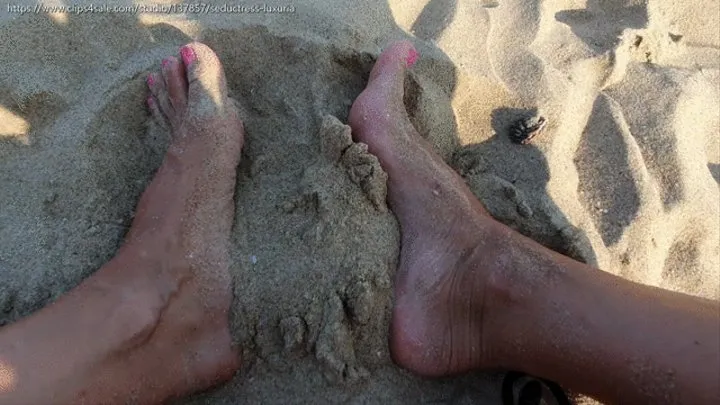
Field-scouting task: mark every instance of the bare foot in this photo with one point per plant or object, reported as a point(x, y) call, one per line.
point(177, 249)
point(436, 329)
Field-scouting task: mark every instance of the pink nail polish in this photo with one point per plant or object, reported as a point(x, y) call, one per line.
point(188, 55)
point(150, 101)
point(150, 80)
point(412, 57)
point(165, 62)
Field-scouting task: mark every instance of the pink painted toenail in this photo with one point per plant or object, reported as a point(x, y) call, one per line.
point(188, 55)
point(412, 57)
point(150, 80)
point(150, 101)
point(165, 62)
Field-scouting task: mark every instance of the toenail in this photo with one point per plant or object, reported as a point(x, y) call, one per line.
point(150, 101)
point(150, 80)
point(188, 55)
point(412, 57)
point(165, 62)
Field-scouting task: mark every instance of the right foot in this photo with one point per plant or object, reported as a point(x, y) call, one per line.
point(437, 324)
point(175, 263)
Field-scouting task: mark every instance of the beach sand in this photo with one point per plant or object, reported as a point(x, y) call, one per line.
point(624, 177)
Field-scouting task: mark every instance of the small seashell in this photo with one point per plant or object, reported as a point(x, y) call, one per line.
point(253, 259)
point(524, 130)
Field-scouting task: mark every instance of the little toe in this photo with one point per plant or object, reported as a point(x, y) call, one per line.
point(175, 82)
point(157, 115)
point(158, 90)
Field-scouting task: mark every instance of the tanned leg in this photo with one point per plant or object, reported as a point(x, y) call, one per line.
point(471, 293)
point(151, 324)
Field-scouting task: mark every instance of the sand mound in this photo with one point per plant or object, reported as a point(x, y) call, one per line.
point(625, 177)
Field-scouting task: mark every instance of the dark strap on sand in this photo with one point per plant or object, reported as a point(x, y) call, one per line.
point(531, 393)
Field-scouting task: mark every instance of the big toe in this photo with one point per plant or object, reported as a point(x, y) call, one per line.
point(385, 85)
point(207, 86)
point(390, 66)
point(380, 108)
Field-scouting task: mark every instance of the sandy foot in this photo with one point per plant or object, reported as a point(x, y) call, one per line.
point(439, 287)
point(177, 248)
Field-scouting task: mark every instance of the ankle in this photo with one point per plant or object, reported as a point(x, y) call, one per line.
point(518, 277)
point(130, 315)
point(133, 301)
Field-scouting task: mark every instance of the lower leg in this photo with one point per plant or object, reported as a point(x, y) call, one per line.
point(151, 324)
point(601, 335)
point(471, 293)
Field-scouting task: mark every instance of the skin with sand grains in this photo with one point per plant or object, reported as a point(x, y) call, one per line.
point(470, 293)
point(152, 323)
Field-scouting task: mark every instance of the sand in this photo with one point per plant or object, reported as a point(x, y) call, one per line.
point(625, 177)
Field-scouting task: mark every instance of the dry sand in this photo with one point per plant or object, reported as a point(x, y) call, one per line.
point(625, 176)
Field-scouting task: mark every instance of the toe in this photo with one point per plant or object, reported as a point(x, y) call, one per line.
point(384, 92)
point(156, 84)
point(175, 82)
point(388, 74)
point(154, 107)
point(207, 89)
point(380, 108)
